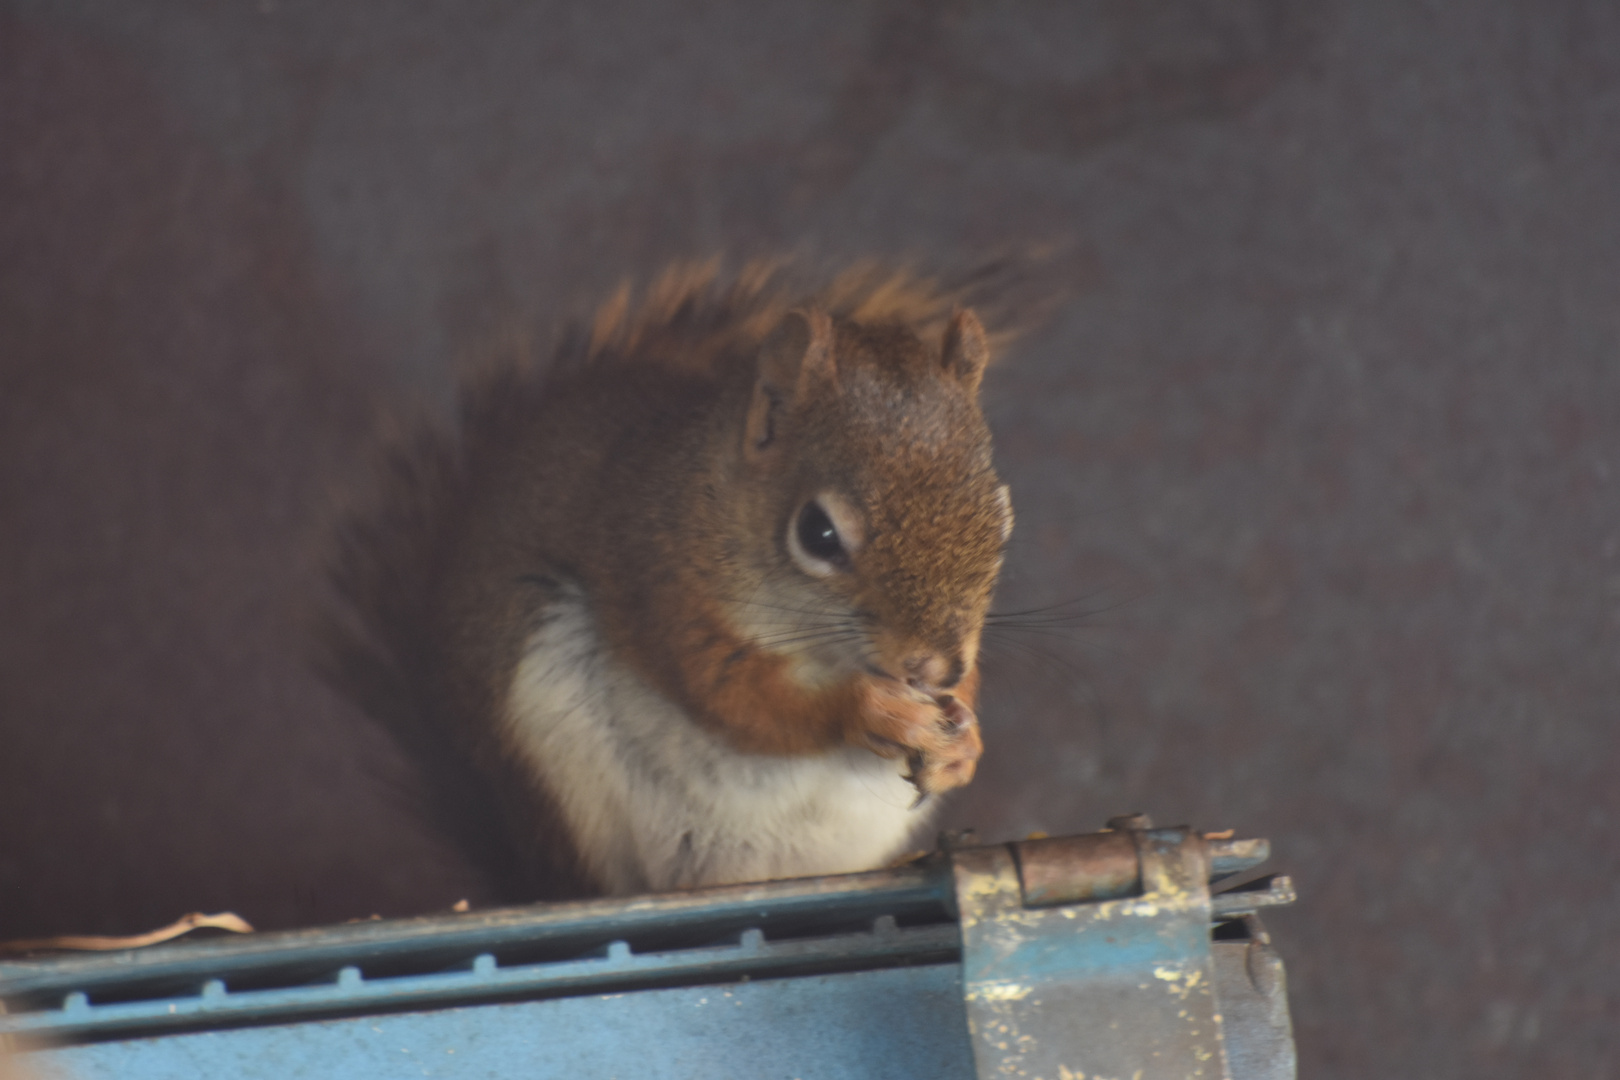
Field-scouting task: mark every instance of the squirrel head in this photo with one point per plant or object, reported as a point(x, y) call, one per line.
point(870, 515)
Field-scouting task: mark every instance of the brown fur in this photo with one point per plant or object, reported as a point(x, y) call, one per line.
point(658, 464)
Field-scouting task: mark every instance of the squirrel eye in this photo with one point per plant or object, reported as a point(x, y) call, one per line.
point(818, 536)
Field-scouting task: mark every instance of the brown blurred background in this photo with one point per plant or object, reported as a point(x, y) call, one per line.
point(1325, 443)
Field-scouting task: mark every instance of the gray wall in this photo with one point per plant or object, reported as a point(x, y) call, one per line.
point(1324, 438)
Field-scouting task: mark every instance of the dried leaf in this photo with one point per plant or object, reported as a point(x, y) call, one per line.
point(225, 920)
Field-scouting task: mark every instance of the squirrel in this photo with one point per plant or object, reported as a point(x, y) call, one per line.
point(698, 601)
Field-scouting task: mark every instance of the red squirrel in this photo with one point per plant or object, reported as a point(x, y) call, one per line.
point(698, 601)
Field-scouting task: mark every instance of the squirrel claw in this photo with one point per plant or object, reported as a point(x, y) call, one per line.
point(938, 736)
point(956, 716)
point(913, 776)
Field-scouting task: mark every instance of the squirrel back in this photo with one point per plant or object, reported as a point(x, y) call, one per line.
point(699, 599)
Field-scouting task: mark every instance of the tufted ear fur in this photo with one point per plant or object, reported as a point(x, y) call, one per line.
point(796, 357)
point(966, 351)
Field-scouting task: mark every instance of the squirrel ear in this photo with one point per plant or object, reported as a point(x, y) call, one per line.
point(966, 349)
point(797, 354)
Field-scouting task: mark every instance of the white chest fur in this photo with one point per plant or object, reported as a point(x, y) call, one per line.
point(654, 802)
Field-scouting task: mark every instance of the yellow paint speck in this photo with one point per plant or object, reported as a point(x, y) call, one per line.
point(1000, 992)
point(1181, 982)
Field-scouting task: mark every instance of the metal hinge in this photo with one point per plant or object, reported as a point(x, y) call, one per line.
point(1090, 957)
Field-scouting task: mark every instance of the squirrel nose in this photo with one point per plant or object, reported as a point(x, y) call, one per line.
point(932, 671)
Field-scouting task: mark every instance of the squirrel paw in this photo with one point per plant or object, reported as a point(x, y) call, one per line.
point(939, 737)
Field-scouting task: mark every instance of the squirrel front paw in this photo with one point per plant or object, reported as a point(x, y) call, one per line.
point(938, 737)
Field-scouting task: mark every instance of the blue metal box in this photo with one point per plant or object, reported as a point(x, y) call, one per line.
point(1098, 955)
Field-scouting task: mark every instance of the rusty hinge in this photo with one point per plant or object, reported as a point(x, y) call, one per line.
point(1091, 956)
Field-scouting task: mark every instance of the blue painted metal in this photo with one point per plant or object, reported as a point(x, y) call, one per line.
point(858, 975)
point(902, 1022)
point(483, 978)
point(784, 910)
